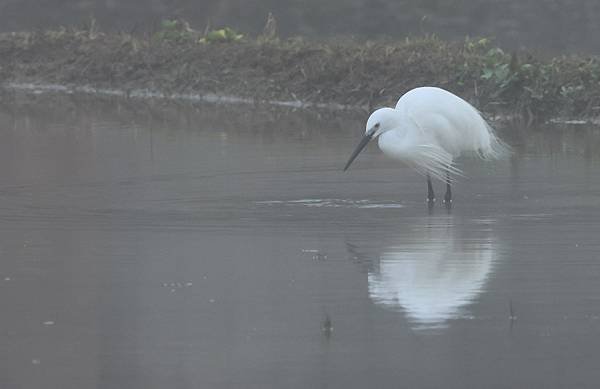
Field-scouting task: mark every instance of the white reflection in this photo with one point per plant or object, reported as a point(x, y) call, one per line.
point(433, 274)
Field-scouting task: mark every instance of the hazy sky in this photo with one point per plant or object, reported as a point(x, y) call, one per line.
point(544, 24)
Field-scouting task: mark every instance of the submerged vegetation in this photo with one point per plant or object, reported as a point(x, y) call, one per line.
point(177, 58)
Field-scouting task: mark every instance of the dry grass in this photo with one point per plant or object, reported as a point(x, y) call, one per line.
point(364, 74)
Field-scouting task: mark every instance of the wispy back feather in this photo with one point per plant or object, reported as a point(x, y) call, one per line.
point(432, 159)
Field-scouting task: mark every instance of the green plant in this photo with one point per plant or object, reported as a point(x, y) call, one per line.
point(475, 45)
point(497, 68)
point(175, 30)
point(223, 35)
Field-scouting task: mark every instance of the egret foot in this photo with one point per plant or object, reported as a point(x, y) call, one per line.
point(448, 195)
point(448, 207)
point(430, 194)
point(430, 206)
point(447, 203)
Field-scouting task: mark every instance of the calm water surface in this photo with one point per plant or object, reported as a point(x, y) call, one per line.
point(146, 246)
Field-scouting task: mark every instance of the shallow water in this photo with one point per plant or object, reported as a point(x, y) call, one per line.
point(153, 246)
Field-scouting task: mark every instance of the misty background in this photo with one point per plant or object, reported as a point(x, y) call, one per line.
point(547, 25)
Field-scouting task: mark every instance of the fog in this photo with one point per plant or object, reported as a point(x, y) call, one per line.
point(164, 223)
point(553, 26)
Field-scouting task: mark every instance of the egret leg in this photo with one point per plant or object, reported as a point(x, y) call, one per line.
point(448, 195)
point(430, 195)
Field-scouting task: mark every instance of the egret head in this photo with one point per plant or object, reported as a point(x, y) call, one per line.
point(379, 122)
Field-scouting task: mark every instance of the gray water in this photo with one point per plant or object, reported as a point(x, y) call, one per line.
point(162, 246)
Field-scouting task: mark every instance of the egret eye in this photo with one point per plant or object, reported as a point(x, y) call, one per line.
point(376, 125)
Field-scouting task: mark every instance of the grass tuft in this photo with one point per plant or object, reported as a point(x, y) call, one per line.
point(346, 71)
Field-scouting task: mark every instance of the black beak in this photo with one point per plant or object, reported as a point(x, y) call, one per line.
point(363, 142)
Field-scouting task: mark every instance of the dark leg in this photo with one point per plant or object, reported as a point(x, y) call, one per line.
point(448, 195)
point(430, 195)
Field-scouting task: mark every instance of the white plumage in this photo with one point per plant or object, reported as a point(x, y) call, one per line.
point(428, 129)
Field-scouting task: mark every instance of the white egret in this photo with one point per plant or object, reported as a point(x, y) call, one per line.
point(427, 130)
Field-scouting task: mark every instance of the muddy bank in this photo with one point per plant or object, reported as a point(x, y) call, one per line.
point(359, 74)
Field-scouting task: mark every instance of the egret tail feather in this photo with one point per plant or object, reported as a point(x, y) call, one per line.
point(497, 149)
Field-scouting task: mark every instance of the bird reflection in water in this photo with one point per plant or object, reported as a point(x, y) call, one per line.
point(432, 273)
